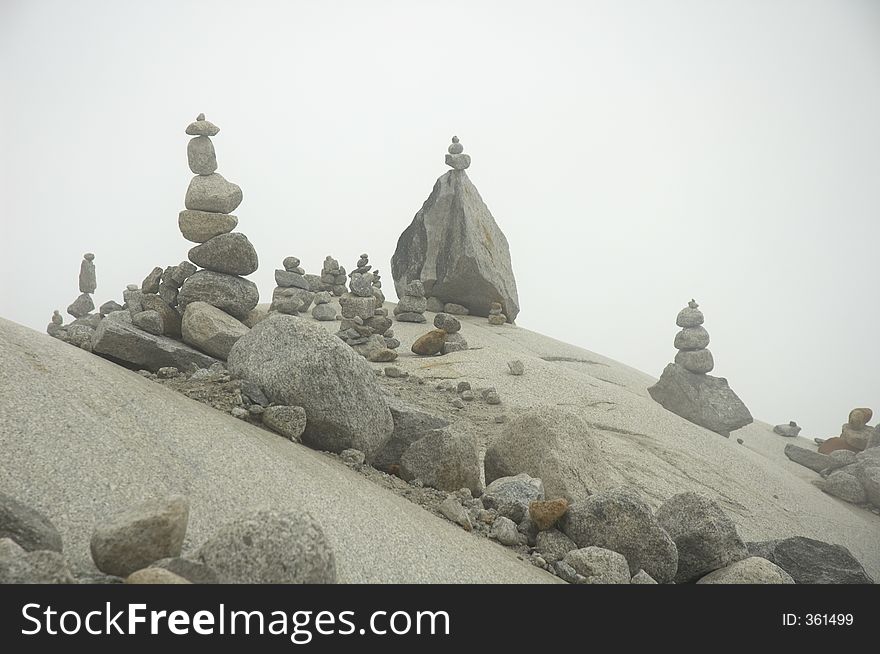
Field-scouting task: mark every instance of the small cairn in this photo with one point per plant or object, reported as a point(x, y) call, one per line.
point(365, 324)
point(413, 304)
point(83, 305)
point(377, 289)
point(692, 340)
point(224, 256)
point(80, 331)
point(292, 294)
point(495, 315)
point(456, 159)
point(855, 434)
point(789, 431)
point(454, 342)
point(332, 278)
point(323, 309)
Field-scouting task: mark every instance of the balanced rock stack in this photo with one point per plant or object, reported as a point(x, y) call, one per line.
point(687, 390)
point(83, 305)
point(377, 288)
point(454, 342)
point(332, 278)
point(224, 256)
point(293, 294)
point(855, 434)
point(413, 304)
point(365, 323)
point(80, 332)
point(324, 309)
point(495, 315)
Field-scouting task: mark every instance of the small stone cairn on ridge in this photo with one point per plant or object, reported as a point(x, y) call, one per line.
point(495, 315)
point(292, 294)
point(81, 330)
point(685, 387)
point(413, 304)
point(365, 325)
point(855, 434)
point(332, 278)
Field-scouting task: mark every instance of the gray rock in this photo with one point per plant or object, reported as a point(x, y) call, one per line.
point(201, 226)
point(554, 545)
point(790, 430)
point(109, 307)
point(253, 392)
point(133, 300)
point(410, 317)
point(457, 250)
point(753, 570)
point(212, 193)
point(843, 485)
point(170, 318)
point(231, 254)
point(505, 532)
point(702, 399)
point(150, 321)
point(289, 421)
point(138, 536)
point(91, 321)
point(435, 305)
point(291, 263)
point(202, 127)
point(290, 300)
point(361, 307)
point(705, 536)
point(458, 161)
point(621, 521)
point(551, 444)
point(566, 572)
point(324, 312)
point(30, 529)
point(201, 155)
point(456, 309)
point(271, 547)
point(528, 527)
point(696, 361)
point(18, 566)
point(168, 293)
point(447, 323)
point(869, 476)
point(510, 496)
point(353, 458)
point(193, 571)
point(452, 509)
point(808, 458)
point(690, 316)
point(516, 367)
point(297, 362)
point(410, 424)
point(151, 281)
point(323, 297)
point(692, 338)
point(643, 578)
point(87, 280)
point(234, 295)
point(411, 304)
point(362, 284)
point(81, 306)
point(288, 279)
point(445, 460)
point(599, 565)
point(117, 339)
point(454, 343)
point(841, 458)
point(211, 330)
point(811, 561)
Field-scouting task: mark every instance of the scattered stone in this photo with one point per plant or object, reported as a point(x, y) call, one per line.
point(140, 535)
point(27, 527)
point(202, 226)
point(462, 386)
point(546, 513)
point(211, 330)
point(192, 571)
point(289, 421)
point(621, 521)
point(167, 373)
point(753, 570)
point(270, 547)
point(109, 307)
point(240, 413)
point(808, 458)
point(468, 396)
point(511, 496)
point(810, 561)
point(599, 565)
point(230, 254)
point(454, 343)
point(554, 545)
point(516, 367)
point(643, 578)
point(452, 509)
point(443, 459)
point(566, 572)
point(706, 538)
point(429, 344)
point(296, 362)
point(789, 431)
point(505, 532)
point(155, 576)
point(458, 403)
point(18, 566)
point(394, 372)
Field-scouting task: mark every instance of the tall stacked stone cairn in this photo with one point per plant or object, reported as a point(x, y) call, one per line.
point(687, 390)
point(377, 288)
point(293, 294)
point(365, 325)
point(332, 278)
point(80, 332)
point(413, 303)
point(224, 256)
point(496, 317)
point(455, 248)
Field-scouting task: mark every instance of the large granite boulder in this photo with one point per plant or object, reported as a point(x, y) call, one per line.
point(811, 561)
point(116, 338)
point(702, 399)
point(236, 296)
point(298, 363)
point(458, 251)
point(552, 444)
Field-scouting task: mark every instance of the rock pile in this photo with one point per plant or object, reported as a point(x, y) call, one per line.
point(365, 323)
point(332, 278)
point(495, 315)
point(323, 309)
point(454, 342)
point(413, 304)
point(687, 390)
point(789, 431)
point(83, 305)
point(293, 292)
point(80, 332)
point(855, 434)
point(454, 246)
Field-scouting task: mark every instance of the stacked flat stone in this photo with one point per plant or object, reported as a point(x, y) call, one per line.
point(365, 323)
point(224, 256)
point(293, 294)
point(456, 159)
point(413, 304)
point(332, 278)
point(324, 309)
point(79, 332)
point(454, 342)
point(495, 315)
point(83, 305)
point(692, 340)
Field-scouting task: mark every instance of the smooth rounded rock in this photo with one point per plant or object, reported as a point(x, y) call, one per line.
point(155, 576)
point(692, 338)
point(212, 193)
point(234, 295)
point(696, 361)
point(201, 155)
point(201, 226)
point(230, 254)
point(429, 344)
point(27, 527)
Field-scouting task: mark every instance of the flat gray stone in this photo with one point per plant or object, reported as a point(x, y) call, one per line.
point(201, 155)
point(170, 317)
point(808, 458)
point(202, 127)
point(212, 193)
point(230, 254)
point(30, 529)
point(234, 295)
point(201, 226)
point(151, 281)
point(211, 330)
point(554, 545)
point(410, 424)
point(844, 485)
point(287, 279)
point(324, 312)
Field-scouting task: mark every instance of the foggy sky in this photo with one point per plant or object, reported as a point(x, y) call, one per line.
point(636, 154)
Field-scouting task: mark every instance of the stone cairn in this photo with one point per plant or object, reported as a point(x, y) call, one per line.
point(324, 309)
point(365, 325)
point(332, 278)
point(224, 256)
point(444, 339)
point(293, 294)
point(80, 331)
point(456, 159)
point(413, 304)
point(855, 434)
point(495, 315)
point(692, 340)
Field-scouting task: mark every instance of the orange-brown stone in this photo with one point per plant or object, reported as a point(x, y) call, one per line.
point(545, 513)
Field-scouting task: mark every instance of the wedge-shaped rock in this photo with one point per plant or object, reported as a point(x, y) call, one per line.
point(211, 330)
point(231, 254)
point(234, 295)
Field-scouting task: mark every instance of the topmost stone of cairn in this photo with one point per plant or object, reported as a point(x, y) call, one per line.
point(456, 159)
point(202, 127)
